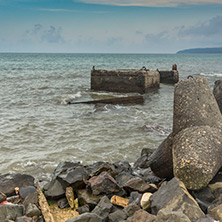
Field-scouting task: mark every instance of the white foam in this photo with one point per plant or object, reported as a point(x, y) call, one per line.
point(211, 74)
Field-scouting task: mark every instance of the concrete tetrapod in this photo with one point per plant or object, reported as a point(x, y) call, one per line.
point(197, 155)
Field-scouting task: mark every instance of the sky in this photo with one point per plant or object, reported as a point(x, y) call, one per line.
point(109, 26)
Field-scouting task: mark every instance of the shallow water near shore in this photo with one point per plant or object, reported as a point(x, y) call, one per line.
point(38, 129)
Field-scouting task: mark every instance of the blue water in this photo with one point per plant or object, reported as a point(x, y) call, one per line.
point(38, 129)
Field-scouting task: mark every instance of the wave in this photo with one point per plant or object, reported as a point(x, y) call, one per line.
point(211, 74)
point(70, 97)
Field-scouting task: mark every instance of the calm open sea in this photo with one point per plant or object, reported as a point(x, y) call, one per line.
point(38, 129)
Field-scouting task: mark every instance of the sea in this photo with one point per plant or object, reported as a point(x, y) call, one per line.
point(39, 129)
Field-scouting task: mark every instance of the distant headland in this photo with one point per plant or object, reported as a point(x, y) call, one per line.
point(202, 50)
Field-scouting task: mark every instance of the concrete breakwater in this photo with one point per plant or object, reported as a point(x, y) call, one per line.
point(131, 80)
point(123, 192)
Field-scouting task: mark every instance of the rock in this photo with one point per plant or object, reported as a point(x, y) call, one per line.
point(146, 151)
point(63, 203)
point(216, 212)
point(122, 166)
point(145, 200)
point(31, 198)
point(175, 197)
point(103, 208)
point(99, 167)
point(83, 209)
point(215, 186)
point(195, 105)
point(85, 197)
point(24, 219)
point(169, 215)
point(8, 182)
point(75, 178)
point(131, 209)
point(197, 155)
point(117, 216)
point(135, 198)
point(161, 161)
point(217, 91)
point(123, 177)
point(203, 197)
point(136, 184)
point(54, 190)
point(3, 197)
point(25, 191)
point(86, 217)
point(10, 212)
point(143, 216)
point(103, 184)
point(207, 218)
point(142, 162)
point(32, 210)
point(119, 201)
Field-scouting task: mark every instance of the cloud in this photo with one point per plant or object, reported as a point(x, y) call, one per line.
point(151, 3)
point(205, 29)
point(38, 33)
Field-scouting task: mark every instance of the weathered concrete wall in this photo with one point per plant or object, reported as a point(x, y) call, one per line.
point(124, 80)
point(170, 77)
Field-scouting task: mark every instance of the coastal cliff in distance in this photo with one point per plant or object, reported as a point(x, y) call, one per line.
point(202, 50)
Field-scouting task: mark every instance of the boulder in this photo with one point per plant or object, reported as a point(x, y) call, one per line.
point(24, 219)
point(197, 155)
point(131, 209)
point(143, 216)
point(122, 166)
point(63, 203)
point(103, 184)
point(32, 210)
point(161, 161)
point(145, 200)
point(123, 178)
point(135, 198)
point(169, 215)
point(136, 184)
point(25, 191)
point(117, 216)
point(142, 162)
point(207, 218)
point(86, 217)
point(83, 209)
point(99, 167)
point(103, 208)
point(3, 197)
point(10, 212)
point(195, 105)
point(217, 91)
point(175, 197)
point(86, 197)
point(8, 182)
point(31, 198)
point(216, 212)
point(54, 189)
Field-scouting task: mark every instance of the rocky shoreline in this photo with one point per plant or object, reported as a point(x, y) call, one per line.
point(180, 181)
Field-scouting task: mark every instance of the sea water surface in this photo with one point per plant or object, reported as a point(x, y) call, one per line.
point(38, 129)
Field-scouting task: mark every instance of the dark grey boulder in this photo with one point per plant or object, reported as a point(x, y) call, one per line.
point(161, 161)
point(142, 216)
point(76, 177)
point(103, 208)
point(131, 209)
point(122, 166)
point(25, 191)
point(54, 189)
point(99, 167)
point(136, 184)
point(63, 203)
point(195, 105)
point(217, 91)
point(32, 210)
point(8, 182)
point(142, 162)
point(135, 198)
point(103, 184)
point(174, 196)
point(31, 198)
point(83, 209)
point(86, 217)
point(117, 216)
point(10, 212)
point(123, 177)
point(197, 155)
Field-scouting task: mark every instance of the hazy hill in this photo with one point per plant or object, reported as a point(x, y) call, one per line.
point(202, 50)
